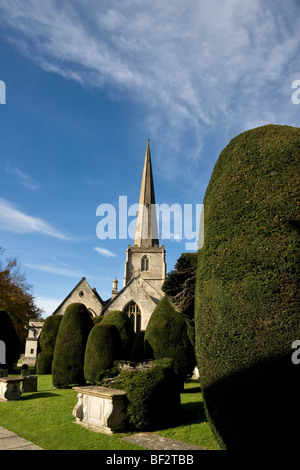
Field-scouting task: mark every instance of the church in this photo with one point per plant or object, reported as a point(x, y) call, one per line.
point(144, 273)
point(145, 267)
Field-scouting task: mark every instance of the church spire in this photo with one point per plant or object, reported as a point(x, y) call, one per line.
point(146, 234)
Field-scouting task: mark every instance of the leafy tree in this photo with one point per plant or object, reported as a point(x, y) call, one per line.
point(180, 287)
point(16, 298)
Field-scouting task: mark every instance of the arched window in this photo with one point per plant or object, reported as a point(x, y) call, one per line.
point(134, 313)
point(145, 263)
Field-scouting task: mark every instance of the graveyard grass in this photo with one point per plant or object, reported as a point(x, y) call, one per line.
point(45, 418)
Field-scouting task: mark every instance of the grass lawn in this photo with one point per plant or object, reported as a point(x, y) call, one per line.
point(45, 418)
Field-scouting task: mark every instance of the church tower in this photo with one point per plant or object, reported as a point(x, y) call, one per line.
point(146, 258)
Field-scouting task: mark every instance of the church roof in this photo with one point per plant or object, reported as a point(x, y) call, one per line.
point(83, 280)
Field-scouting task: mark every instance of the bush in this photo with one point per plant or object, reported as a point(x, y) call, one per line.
point(68, 360)
point(104, 346)
point(123, 323)
point(247, 302)
point(153, 395)
point(11, 340)
point(137, 351)
point(180, 287)
point(97, 319)
point(46, 344)
point(166, 336)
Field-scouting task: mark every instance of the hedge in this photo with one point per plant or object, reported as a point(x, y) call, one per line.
point(104, 346)
point(166, 336)
point(46, 344)
point(124, 325)
point(153, 395)
point(247, 292)
point(68, 360)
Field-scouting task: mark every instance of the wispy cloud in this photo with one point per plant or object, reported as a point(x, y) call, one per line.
point(66, 272)
point(13, 220)
point(197, 66)
point(22, 177)
point(104, 252)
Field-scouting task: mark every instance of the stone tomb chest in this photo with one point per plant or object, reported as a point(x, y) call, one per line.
point(100, 408)
point(10, 388)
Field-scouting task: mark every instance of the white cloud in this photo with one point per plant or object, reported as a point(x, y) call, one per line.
point(22, 177)
point(66, 272)
point(196, 66)
point(13, 220)
point(48, 305)
point(104, 252)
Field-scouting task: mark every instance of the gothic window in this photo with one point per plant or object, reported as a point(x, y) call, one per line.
point(134, 313)
point(145, 263)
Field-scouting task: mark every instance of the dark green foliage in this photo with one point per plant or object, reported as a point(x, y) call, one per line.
point(11, 340)
point(68, 360)
point(247, 303)
point(166, 336)
point(98, 319)
point(104, 346)
point(46, 344)
point(44, 363)
point(153, 395)
point(180, 287)
point(137, 351)
point(123, 323)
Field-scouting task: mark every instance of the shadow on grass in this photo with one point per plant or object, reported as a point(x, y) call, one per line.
point(192, 413)
point(29, 396)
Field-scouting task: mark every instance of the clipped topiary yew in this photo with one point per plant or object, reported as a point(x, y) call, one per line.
point(104, 346)
point(166, 336)
point(137, 351)
point(68, 360)
point(247, 292)
point(46, 344)
point(153, 395)
point(124, 325)
point(11, 340)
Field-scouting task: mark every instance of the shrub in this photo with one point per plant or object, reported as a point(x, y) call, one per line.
point(180, 287)
point(137, 351)
point(104, 346)
point(123, 323)
point(68, 360)
point(98, 319)
point(153, 395)
point(11, 340)
point(166, 336)
point(46, 344)
point(247, 305)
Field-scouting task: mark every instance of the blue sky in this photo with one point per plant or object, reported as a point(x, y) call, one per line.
point(87, 82)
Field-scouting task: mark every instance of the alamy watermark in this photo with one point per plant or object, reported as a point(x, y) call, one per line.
point(296, 354)
point(2, 352)
point(176, 222)
point(2, 92)
point(296, 95)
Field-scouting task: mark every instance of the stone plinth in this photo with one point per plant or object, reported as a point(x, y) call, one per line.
point(29, 383)
point(10, 388)
point(100, 408)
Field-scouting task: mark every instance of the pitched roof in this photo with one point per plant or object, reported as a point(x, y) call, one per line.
point(94, 291)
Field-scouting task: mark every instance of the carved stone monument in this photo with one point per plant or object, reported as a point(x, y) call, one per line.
point(101, 409)
point(10, 388)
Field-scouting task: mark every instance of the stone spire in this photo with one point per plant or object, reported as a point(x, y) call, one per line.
point(146, 234)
